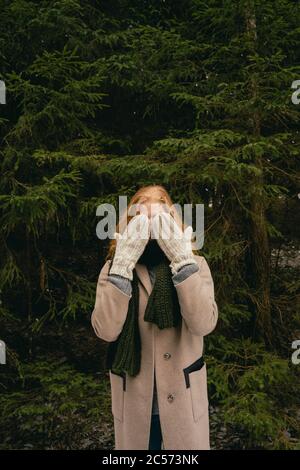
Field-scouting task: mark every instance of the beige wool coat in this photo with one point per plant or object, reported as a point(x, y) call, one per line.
point(173, 354)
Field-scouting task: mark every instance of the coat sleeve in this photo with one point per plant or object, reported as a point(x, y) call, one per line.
point(197, 300)
point(111, 307)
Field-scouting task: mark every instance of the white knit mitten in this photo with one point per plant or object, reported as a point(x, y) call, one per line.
point(130, 245)
point(173, 241)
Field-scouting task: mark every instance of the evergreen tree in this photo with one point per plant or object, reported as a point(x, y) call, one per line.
point(192, 94)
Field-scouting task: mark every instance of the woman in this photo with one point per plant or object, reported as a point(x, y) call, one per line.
point(154, 304)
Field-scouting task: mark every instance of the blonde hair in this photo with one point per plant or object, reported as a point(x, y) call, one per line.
point(134, 200)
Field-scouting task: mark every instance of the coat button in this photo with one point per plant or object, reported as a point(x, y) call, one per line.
point(167, 355)
point(170, 397)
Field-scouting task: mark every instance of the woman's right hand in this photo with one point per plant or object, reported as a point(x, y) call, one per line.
point(130, 245)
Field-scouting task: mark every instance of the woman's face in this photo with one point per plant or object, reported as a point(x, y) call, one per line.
point(151, 203)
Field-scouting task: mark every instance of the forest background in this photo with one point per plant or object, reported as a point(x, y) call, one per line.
point(102, 98)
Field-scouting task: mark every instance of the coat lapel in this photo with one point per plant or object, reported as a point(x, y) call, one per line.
point(143, 275)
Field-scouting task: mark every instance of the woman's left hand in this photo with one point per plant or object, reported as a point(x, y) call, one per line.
point(175, 243)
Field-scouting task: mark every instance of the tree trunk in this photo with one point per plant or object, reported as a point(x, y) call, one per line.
point(258, 265)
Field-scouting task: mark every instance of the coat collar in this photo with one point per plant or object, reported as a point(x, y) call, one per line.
point(143, 275)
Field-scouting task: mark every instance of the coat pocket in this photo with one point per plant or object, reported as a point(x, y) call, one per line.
point(198, 384)
point(118, 387)
point(196, 380)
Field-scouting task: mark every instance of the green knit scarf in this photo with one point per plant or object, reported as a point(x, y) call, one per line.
point(163, 309)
